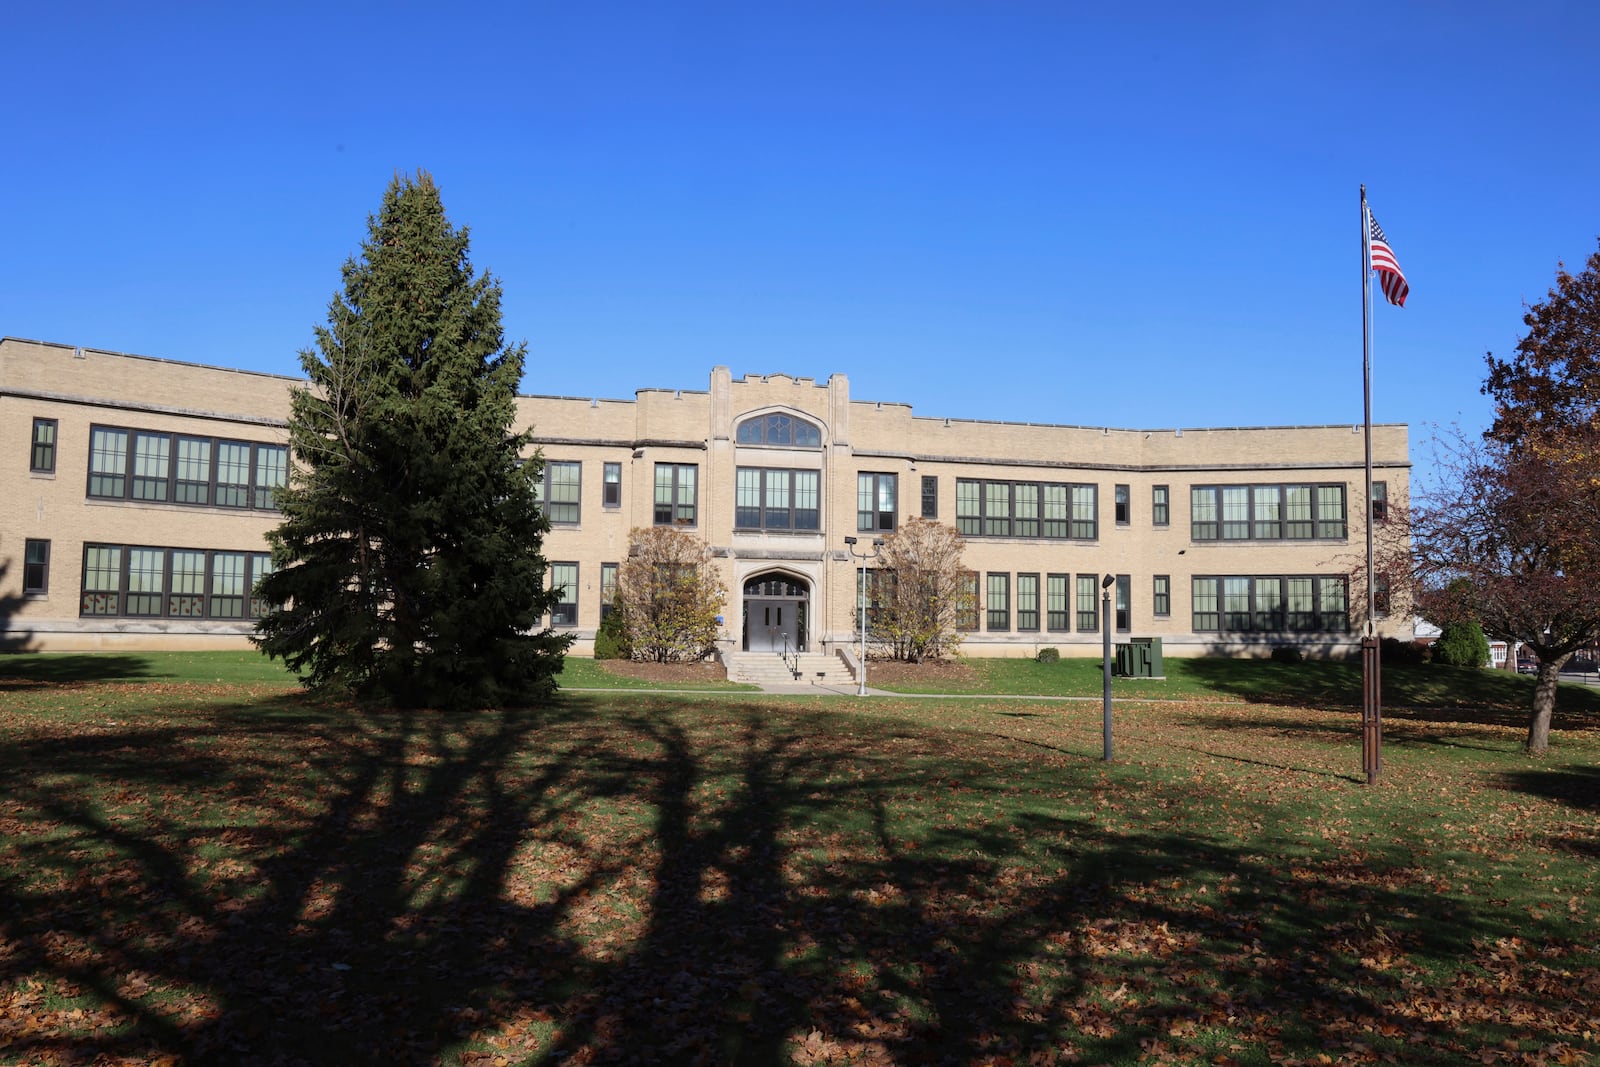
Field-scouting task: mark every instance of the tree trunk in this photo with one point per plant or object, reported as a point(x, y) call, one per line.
point(1544, 706)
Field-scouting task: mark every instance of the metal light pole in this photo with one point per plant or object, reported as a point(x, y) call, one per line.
point(877, 546)
point(1105, 656)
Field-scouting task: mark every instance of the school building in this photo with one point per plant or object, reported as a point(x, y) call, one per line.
point(136, 492)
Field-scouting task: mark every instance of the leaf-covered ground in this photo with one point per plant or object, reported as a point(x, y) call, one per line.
point(224, 873)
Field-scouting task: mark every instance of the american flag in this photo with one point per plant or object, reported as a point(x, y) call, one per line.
point(1390, 276)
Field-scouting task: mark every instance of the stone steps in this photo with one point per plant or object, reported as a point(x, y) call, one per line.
point(769, 668)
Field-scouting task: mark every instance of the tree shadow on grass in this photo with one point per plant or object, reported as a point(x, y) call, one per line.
point(33, 669)
point(722, 882)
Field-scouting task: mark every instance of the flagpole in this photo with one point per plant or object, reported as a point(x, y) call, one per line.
point(1371, 719)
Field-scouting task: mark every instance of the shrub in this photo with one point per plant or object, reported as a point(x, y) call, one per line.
point(611, 640)
point(1461, 644)
point(1288, 654)
point(1048, 655)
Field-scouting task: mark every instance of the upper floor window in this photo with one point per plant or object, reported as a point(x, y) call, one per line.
point(875, 501)
point(157, 467)
point(779, 429)
point(1123, 503)
point(1380, 501)
point(559, 489)
point(1266, 512)
point(1026, 509)
point(777, 499)
point(42, 459)
point(1160, 506)
point(612, 495)
point(930, 496)
point(676, 498)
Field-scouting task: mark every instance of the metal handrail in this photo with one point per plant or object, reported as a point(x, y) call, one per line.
point(792, 663)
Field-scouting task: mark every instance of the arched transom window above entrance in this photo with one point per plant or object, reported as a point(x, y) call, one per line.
point(774, 585)
point(776, 428)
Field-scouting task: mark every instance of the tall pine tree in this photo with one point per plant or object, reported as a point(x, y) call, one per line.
point(410, 564)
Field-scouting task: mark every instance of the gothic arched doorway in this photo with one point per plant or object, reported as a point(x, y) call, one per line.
point(775, 613)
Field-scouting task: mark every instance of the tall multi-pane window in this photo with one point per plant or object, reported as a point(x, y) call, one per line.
point(1267, 512)
point(1123, 506)
point(1160, 506)
point(1057, 602)
point(108, 462)
point(1088, 603)
point(560, 491)
point(766, 499)
point(608, 587)
point(1085, 511)
point(1025, 509)
point(997, 509)
point(1025, 505)
point(998, 602)
point(1027, 601)
point(186, 596)
point(675, 496)
point(1269, 613)
point(35, 567)
point(1301, 603)
point(564, 580)
point(147, 582)
point(261, 565)
point(1203, 598)
point(1161, 595)
point(233, 474)
point(1380, 595)
point(967, 612)
point(227, 586)
point(272, 473)
point(1124, 603)
point(930, 496)
point(875, 501)
point(611, 494)
point(1333, 604)
point(194, 470)
point(42, 457)
point(1380, 501)
point(102, 580)
point(151, 461)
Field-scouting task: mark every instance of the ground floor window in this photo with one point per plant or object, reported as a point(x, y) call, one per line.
point(1088, 605)
point(564, 580)
point(1271, 603)
point(142, 581)
point(35, 568)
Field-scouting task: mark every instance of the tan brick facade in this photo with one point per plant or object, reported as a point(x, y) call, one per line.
point(1020, 475)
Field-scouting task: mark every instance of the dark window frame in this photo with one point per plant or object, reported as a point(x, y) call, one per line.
point(1161, 595)
point(565, 612)
point(1122, 603)
point(1122, 498)
point(42, 451)
point(759, 430)
point(35, 572)
point(200, 599)
point(1088, 619)
point(787, 518)
point(252, 494)
point(1058, 620)
point(967, 611)
point(989, 495)
point(1160, 505)
point(1317, 522)
point(930, 497)
point(573, 507)
point(1380, 501)
point(673, 511)
point(611, 485)
point(1027, 618)
point(876, 519)
point(990, 612)
point(1209, 599)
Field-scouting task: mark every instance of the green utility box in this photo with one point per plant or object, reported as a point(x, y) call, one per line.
point(1140, 657)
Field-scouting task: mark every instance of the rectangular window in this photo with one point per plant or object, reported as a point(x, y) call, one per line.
point(969, 507)
point(1085, 512)
point(766, 499)
point(35, 567)
point(560, 491)
point(1267, 512)
point(1124, 516)
point(186, 596)
point(1160, 506)
point(608, 587)
point(227, 585)
point(1088, 603)
point(1203, 595)
point(147, 581)
point(1025, 509)
point(997, 509)
point(1380, 595)
point(272, 474)
point(675, 498)
point(1161, 596)
point(151, 465)
point(1124, 603)
point(967, 613)
point(194, 471)
point(261, 565)
point(108, 462)
point(1057, 603)
point(1270, 604)
point(1027, 601)
point(611, 495)
point(998, 603)
point(564, 580)
point(875, 501)
point(102, 580)
point(1380, 501)
point(233, 474)
point(930, 496)
point(42, 459)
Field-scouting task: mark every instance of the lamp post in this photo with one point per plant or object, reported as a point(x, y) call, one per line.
point(877, 546)
point(1105, 655)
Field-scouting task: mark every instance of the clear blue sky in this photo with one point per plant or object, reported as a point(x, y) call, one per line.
point(1032, 211)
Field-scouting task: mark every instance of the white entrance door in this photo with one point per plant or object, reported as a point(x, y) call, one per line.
point(768, 623)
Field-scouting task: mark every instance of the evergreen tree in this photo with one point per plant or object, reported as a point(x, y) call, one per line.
point(409, 556)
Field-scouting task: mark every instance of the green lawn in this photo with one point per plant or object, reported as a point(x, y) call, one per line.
point(210, 872)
